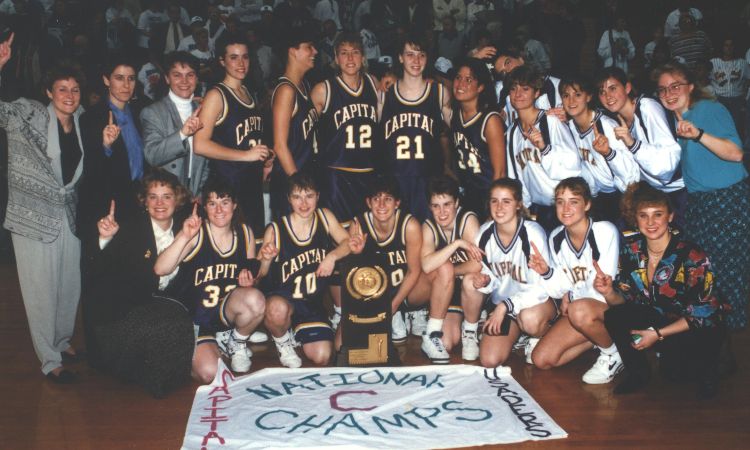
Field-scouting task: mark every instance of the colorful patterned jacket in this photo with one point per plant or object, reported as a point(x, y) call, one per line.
point(682, 283)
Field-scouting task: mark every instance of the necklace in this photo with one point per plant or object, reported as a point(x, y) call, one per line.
point(655, 256)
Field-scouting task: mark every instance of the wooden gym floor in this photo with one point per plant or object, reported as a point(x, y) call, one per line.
point(102, 413)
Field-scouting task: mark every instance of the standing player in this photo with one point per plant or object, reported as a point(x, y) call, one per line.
point(478, 134)
point(507, 59)
point(510, 287)
point(606, 163)
point(215, 257)
point(580, 249)
point(448, 243)
point(541, 151)
point(397, 234)
point(645, 130)
point(298, 254)
point(294, 116)
point(232, 134)
point(413, 116)
point(348, 130)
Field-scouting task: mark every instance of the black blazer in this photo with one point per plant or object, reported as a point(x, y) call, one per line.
point(106, 178)
point(119, 279)
point(122, 274)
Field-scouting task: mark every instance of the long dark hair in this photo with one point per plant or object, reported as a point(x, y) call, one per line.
point(486, 100)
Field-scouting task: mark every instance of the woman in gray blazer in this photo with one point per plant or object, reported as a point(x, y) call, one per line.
point(45, 161)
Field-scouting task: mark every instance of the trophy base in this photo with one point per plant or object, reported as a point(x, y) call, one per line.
point(343, 358)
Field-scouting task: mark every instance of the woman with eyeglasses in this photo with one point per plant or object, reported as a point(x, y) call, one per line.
point(718, 208)
point(644, 129)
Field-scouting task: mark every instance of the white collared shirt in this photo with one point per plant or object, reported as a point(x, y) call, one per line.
point(164, 239)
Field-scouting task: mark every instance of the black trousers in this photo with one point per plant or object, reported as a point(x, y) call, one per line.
point(693, 353)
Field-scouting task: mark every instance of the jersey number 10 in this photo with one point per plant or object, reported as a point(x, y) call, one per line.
point(311, 285)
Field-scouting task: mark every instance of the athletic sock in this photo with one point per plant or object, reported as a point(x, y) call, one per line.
point(239, 337)
point(337, 309)
point(434, 325)
point(468, 326)
point(609, 351)
point(282, 339)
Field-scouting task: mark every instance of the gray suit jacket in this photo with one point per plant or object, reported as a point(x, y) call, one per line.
point(163, 147)
point(37, 198)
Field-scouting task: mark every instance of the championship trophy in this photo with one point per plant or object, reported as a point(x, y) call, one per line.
point(366, 312)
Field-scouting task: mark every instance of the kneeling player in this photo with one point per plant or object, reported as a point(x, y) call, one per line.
point(514, 289)
point(578, 247)
point(448, 246)
point(215, 261)
point(298, 255)
point(397, 234)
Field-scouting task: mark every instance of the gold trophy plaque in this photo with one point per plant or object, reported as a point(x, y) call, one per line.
point(366, 312)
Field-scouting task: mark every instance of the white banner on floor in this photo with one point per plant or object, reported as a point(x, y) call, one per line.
point(385, 407)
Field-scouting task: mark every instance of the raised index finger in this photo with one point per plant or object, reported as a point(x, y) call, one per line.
point(197, 111)
point(111, 121)
point(678, 115)
point(112, 209)
point(10, 39)
point(195, 209)
point(622, 120)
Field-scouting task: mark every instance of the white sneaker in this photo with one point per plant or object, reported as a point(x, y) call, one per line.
point(287, 355)
point(398, 328)
point(335, 320)
point(239, 354)
point(222, 339)
point(469, 345)
point(418, 321)
point(433, 348)
point(529, 349)
point(604, 369)
point(258, 337)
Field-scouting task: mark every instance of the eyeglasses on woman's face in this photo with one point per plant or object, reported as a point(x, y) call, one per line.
point(673, 88)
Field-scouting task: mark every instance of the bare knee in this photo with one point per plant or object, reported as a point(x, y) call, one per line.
point(277, 311)
point(251, 302)
point(531, 323)
point(204, 372)
point(543, 359)
point(320, 356)
point(468, 291)
point(493, 360)
point(496, 354)
point(444, 275)
point(581, 315)
point(256, 303)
